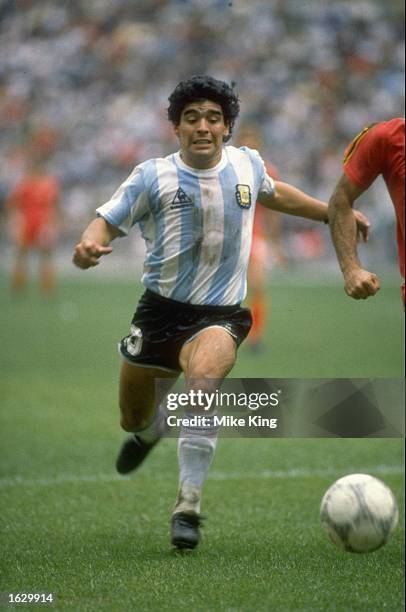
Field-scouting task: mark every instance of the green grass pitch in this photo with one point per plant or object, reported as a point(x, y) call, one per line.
point(71, 527)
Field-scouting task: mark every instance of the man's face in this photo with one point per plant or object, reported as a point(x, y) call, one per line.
point(201, 131)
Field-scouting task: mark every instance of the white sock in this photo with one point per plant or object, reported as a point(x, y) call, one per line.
point(196, 448)
point(155, 429)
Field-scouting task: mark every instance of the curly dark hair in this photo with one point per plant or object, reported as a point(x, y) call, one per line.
point(202, 87)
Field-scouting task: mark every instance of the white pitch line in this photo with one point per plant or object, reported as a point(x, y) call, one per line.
point(215, 475)
point(307, 473)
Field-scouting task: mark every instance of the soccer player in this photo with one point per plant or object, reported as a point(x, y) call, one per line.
point(195, 209)
point(266, 230)
point(33, 208)
point(378, 149)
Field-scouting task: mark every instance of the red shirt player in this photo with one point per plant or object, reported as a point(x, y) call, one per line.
point(266, 233)
point(33, 210)
point(378, 149)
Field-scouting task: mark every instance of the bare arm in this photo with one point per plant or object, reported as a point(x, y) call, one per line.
point(359, 283)
point(94, 243)
point(290, 200)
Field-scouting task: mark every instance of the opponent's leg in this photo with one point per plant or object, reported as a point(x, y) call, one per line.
point(258, 303)
point(258, 309)
point(47, 272)
point(206, 360)
point(139, 415)
point(19, 275)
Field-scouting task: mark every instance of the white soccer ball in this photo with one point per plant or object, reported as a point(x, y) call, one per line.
point(359, 513)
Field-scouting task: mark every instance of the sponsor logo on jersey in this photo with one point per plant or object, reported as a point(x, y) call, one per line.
point(243, 195)
point(182, 200)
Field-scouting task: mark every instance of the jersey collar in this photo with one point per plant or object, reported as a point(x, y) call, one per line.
point(208, 172)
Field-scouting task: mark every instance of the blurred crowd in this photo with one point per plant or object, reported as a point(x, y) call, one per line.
point(84, 84)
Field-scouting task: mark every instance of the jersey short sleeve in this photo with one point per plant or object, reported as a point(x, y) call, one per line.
point(268, 185)
point(264, 181)
point(130, 202)
point(364, 158)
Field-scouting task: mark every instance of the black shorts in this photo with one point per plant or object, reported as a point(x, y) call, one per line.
point(160, 327)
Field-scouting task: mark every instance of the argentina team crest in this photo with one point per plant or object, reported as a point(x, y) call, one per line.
point(243, 195)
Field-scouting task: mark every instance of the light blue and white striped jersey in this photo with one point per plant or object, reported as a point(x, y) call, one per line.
point(197, 224)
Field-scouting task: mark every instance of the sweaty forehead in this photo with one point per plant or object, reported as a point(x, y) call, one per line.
point(202, 106)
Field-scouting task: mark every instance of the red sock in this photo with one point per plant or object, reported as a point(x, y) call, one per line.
point(47, 279)
point(258, 309)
